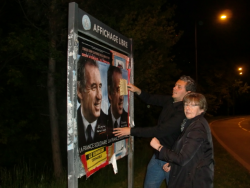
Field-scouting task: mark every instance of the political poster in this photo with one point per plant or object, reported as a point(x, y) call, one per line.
point(101, 107)
point(92, 111)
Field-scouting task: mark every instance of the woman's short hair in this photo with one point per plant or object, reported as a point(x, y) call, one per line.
point(196, 98)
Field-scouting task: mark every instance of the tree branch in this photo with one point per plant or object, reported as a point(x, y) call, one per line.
point(29, 20)
point(13, 57)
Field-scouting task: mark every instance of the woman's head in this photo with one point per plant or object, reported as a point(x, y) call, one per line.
point(194, 104)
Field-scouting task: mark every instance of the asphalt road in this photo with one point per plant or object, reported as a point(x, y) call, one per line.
point(234, 135)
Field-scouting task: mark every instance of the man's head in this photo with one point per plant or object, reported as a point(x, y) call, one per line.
point(183, 86)
point(89, 88)
point(115, 99)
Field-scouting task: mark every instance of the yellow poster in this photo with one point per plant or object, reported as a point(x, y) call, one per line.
point(96, 157)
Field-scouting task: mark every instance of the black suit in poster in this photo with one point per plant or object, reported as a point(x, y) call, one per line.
point(99, 135)
point(123, 123)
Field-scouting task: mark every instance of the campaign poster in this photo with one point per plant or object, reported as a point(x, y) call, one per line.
point(118, 104)
point(92, 110)
point(101, 107)
point(118, 108)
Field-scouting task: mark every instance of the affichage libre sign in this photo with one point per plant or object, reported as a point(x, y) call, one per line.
point(93, 27)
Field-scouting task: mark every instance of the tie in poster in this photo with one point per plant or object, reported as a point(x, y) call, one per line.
point(100, 105)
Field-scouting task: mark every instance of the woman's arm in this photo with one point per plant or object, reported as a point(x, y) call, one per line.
point(192, 143)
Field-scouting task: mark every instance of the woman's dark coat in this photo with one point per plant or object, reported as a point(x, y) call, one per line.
point(191, 158)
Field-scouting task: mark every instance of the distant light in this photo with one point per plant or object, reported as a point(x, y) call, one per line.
point(223, 17)
point(240, 73)
point(240, 68)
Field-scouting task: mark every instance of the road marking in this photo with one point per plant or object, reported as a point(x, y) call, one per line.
point(235, 155)
point(242, 127)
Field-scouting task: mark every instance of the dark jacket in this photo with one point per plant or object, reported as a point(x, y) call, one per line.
point(169, 122)
point(123, 123)
point(191, 158)
point(100, 132)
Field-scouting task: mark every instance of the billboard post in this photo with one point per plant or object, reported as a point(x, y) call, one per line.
point(71, 98)
point(131, 115)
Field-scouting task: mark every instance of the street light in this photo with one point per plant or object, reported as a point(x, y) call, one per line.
point(240, 69)
point(223, 17)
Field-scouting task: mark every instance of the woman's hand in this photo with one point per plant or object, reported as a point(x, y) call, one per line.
point(133, 88)
point(121, 131)
point(166, 167)
point(155, 143)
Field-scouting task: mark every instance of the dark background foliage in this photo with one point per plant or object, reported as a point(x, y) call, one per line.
point(163, 37)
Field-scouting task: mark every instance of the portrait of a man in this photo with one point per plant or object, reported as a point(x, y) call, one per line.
point(117, 116)
point(91, 120)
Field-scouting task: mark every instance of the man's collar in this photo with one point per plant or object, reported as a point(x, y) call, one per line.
point(86, 123)
point(113, 118)
point(177, 103)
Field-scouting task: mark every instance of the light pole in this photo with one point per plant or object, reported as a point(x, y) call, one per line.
point(223, 17)
point(196, 62)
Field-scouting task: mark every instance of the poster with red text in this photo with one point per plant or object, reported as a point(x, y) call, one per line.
point(92, 110)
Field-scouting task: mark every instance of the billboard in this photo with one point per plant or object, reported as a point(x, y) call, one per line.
point(98, 57)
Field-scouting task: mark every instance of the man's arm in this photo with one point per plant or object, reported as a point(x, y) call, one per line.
point(165, 129)
point(158, 100)
point(168, 128)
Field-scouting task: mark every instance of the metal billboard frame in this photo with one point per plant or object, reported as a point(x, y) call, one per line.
point(109, 37)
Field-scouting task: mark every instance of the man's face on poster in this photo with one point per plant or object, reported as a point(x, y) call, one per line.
point(116, 100)
point(91, 95)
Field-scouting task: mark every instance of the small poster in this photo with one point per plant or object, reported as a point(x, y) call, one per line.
point(120, 60)
point(94, 160)
point(123, 87)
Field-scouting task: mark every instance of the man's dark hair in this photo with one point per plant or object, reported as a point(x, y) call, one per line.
point(82, 62)
point(191, 85)
point(111, 71)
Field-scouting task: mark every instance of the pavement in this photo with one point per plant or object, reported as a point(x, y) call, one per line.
point(234, 135)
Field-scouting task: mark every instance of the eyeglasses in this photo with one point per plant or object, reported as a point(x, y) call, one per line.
point(191, 105)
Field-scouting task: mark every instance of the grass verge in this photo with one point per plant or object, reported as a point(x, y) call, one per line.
point(228, 172)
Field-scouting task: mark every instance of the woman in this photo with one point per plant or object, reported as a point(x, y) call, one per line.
point(191, 159)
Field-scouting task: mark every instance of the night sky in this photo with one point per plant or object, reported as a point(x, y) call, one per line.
point(225, 40)
point(217, 43)
point(229, 41)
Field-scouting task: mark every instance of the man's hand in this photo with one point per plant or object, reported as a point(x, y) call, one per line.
point(121, 131)
point(166, 167)
point(133, 88)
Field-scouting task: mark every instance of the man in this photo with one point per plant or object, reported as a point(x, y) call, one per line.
point(168, 128)
point(91, 121)
point(117, 116)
